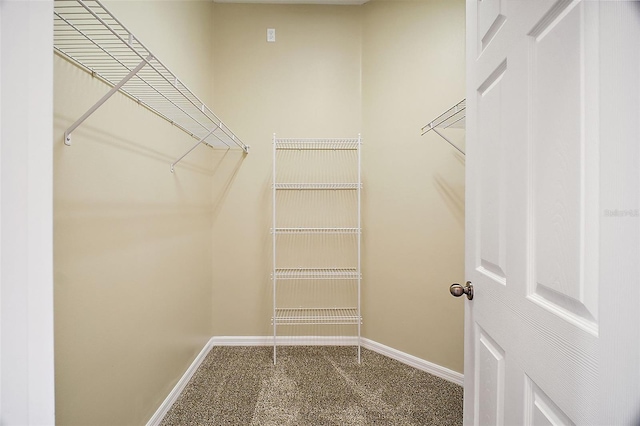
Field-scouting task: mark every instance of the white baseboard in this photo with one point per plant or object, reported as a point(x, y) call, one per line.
point(405, 358)
point(157, 417)
point(415, 362)
point(285, 340)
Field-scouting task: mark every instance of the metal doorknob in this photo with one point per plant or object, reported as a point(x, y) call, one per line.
point(457, 290)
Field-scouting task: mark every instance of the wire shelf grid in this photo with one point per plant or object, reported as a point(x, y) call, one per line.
point(317, 144)
point(453, 117)
point(317, 186)
point(317, 230)
point(317, 273)
point(87, 34)
point(317, 316)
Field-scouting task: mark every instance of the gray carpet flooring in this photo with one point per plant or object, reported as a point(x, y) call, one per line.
point(312, 385)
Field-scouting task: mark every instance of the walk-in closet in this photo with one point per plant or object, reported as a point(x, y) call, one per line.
point(319, 212)
point(253, 176)
point(250, 175)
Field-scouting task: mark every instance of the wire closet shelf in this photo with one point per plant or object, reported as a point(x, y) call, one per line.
point(317, 273)
point(318, 316)
point(317, 144)
point(454, 117)
point(87, 34)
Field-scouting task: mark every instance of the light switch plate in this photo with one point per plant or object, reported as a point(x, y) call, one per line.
point(271, 35)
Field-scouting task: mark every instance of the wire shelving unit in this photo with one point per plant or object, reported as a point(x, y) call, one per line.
point(91, 37)
point(348, 275)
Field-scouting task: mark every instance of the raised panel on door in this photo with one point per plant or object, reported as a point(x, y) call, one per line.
point(563, 167)
point(491, 17)
point(540, 410)
point(489, 381)
point(492, 186)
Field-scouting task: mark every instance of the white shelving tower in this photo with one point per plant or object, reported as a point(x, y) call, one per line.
point(310, 311)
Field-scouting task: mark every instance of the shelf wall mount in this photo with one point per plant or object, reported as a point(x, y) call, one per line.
point(92, 38)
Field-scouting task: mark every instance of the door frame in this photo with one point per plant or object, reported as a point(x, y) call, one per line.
point(26, 213)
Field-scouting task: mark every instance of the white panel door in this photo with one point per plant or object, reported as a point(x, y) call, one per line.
point(553, 213)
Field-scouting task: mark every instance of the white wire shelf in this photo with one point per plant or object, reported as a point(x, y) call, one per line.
point(317, 316)
point(454, 117)
point(317, 144)
point(317, 274)
point(87, 34)
point(317, 186)
point(317, 230)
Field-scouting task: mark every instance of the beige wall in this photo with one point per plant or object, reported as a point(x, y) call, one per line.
point(307, 84)
point(132, 241)
point(383, 69)
point(413, 196)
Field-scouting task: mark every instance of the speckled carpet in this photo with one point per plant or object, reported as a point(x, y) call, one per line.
point(319, 385)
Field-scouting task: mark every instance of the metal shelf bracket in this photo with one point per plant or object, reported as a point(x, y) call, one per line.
point(201, 140)
point(105, 98)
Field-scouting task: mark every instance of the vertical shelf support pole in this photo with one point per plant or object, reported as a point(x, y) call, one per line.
point(114, 89)
point(273, 234)
point(359, 238)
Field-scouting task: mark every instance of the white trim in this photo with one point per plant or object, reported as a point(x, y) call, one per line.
point(405, 358)
point(285, 340)
point(157, 417)
point(27, 376)
point(413, 361)
point(1, 209)
point(326, 2)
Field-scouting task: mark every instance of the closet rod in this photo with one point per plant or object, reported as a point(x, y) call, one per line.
point(88, 35)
